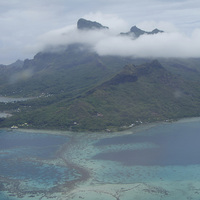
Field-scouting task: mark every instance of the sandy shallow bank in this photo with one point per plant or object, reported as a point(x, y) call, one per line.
point(142, 191)
point(95, 188)
point(79, 153)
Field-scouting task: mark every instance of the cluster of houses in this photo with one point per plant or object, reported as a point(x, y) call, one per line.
point(21, 125)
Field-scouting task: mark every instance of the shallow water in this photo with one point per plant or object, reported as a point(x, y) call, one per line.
point(167, 152)
point(171, 144)
point(4, 115)
point(11, 100)
point(30, 164)
point(154, 162)
point(159, 162)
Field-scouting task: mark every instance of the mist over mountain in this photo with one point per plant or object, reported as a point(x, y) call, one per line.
point(135, 32)
point(88, 79)
point(84, 24)
point(103, 41)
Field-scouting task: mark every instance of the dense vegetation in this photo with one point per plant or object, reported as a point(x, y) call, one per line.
point(76, 89)
point(79, 90)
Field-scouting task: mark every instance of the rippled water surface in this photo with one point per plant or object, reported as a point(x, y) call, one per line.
point(153, 162)
point(30, 163)
point(174, 144)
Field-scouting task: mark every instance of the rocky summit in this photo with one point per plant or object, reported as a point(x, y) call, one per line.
point(76, 89)
point(84, 24)
point(136, 32)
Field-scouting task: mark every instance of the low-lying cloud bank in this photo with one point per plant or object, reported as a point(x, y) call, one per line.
point(160, 45)
point(107, 42)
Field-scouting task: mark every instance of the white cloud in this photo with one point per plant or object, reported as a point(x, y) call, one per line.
point(162, 25)
point(69, 35)
point(171, 43)
point(23, 22)
point(114, 22)
point(160, 45)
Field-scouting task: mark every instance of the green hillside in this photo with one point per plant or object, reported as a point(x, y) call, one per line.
point(71, 71)
point(74, 88)
point(144, 93)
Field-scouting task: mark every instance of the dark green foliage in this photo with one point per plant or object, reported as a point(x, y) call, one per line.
point(71, 71)
point(156, 95)
point(188, 68)
point(80, 90)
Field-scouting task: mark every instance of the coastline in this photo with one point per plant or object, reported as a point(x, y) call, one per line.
point(91, 188)
point(130, 130)
point(42, 131)
point(77, 155)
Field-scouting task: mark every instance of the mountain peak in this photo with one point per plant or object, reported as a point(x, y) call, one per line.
point(155, 31)
point(18, 63)
point(84, 24)
point(136, 32)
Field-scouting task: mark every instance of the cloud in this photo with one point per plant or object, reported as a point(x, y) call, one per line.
point(171, 43)
point(69, 34)
point(56, 39)
point(160, 45)
point(114, 22)
point(24, 23)
point(162, 25)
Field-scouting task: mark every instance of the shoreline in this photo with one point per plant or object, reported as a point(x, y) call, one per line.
point(91, 188)
point(131, 130)
point(67, 186)
point(76, 155)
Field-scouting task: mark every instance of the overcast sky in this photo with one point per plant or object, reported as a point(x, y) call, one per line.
point(27, 26)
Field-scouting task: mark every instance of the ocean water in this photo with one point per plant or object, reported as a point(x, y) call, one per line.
point(30, 164)
point(11, 100)
point(165, 157)
point(152, 162)
point(156, 162)
point(171, 144)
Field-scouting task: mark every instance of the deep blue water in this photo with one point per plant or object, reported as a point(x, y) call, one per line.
point(27, 158)
point(173, 144)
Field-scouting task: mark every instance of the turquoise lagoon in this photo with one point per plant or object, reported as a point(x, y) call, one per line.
point(31, 164)
point(156, 161)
